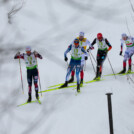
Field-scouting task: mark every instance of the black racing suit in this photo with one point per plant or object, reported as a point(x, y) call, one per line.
point(101, 56)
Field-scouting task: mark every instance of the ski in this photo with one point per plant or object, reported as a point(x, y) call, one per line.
point(57, 88)
point(93, 81)
point(59, 84)
point(119, 74)
point(38, 101)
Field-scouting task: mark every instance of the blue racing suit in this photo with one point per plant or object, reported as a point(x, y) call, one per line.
point(75, 63)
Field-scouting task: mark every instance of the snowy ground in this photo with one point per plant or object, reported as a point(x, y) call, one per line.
point(49, 26)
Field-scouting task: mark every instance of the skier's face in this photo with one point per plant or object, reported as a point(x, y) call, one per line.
point(76, 45)
point(100, 38)
point(28, 53)
point(124, 38)
point(81, 38)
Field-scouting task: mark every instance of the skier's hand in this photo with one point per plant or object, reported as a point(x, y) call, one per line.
point(35, 52)
point(120, 52)
point(66, 59)
point(86, 57)
point(90, 48)
point(18, 54)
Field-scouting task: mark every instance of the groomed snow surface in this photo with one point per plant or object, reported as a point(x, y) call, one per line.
point(49, 26)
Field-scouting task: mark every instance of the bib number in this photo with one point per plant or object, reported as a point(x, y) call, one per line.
point(76, 52)
point(30, 60)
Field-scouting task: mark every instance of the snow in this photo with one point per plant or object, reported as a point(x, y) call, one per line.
point(49, 27)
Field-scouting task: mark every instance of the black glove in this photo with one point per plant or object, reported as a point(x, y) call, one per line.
point(66, 59)
point(88, 49)
point(35, 52)
point(86, 57)
point(120, 52)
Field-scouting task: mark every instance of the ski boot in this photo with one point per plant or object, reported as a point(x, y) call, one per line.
point(81, 82)
point(78, 88)
point(71, 80)
point(64, 85)
point(29, 99)
point(123, 71)
point(37, 95)
point(129, 70)
point(97, 73)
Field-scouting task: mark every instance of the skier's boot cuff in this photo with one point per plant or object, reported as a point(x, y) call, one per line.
point(71, 80)
point(81, 81)
point(29, 99)
point(78, 88)
point(123, 71)
point(64, 85)
point(37, 95)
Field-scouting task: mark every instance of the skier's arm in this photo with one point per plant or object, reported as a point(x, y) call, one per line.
point(121, 47)
point(91, 45)
point(68, 50)
point(37, 55)
point(94, 42)
point(18, 55)
point(83, 50)
point(109, 45)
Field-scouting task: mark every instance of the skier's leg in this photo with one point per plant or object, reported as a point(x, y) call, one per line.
point(35, 77)
point(69, 70)
point(98, 65)
point(78, 68)
point(129, 63)
point(82, 71)
point(103, 57)
point(72, 76)
point(130, 60)
point(29, 80)
point(124, 62)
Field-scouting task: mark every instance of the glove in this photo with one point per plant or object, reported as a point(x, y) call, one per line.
point(86, 57)
point(120, 52)
point(90, 48)
point(66, 59)
point(35, 52)
point(18, 54)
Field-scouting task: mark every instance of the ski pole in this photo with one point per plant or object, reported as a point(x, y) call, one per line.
point(67, 64)
point(39, 77)
point(128, 77)
point(92, 62)
point(21, 76)
point(93, 57)
point(85, 66)
point(111, 67)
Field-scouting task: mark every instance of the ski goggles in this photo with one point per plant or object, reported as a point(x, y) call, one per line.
point(28, 52)
point(76, 42)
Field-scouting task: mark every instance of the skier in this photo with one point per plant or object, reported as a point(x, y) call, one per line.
point(83, 42)
point(32, 72)
point(75, 62)
point(129, 41)
point(103, 48)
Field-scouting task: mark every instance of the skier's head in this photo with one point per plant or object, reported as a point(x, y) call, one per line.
point(76, 42)
point(81, 36)
point(124, 36)
point(28, 50)
point(99, 36)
